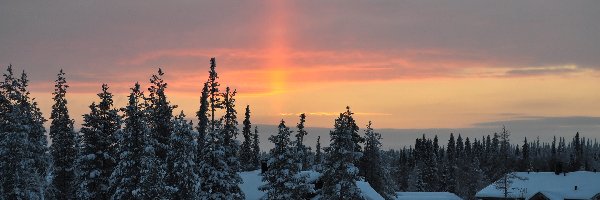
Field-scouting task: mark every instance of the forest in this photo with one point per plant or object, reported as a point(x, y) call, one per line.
point(145, 151)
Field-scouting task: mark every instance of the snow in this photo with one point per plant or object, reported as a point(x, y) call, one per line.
point(426, 196)
point(251, 181)
point(551, 185)
point(367, 191)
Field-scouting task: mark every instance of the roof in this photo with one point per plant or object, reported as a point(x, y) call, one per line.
point(550, 185)
point(426, 196)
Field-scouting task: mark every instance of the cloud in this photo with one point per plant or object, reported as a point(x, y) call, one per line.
point(535, 121)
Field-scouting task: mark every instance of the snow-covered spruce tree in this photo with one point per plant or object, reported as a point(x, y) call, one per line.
point(203, 122)
point(64, 142)
point(153, 172)
point(219, 163)
point(318, 156)
point(340, 173)
point(182, 156)
point(24, 161)
point(283, 180)
point(125, 178)
point(255, 149)
point(302, 151)
point(374, 170)
point(230, 130)
point(160, 112)
point(97, 158)
point(217, 179)
point(246, 153)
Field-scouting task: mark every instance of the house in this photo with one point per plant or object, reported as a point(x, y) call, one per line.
point(426, 196)
point(578, 185)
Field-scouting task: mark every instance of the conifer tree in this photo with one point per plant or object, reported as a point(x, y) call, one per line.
point(159, 113)
point(341, 173)
point(246, 153)
point(126, 177)
point(219, 163)
point(64, 142)
point(255, 149)
point(283, 180)
point(302, 152)
point(24, 162)
point(218, 180)
point(318, 156)
point(230, 130)
point(374, 171)
point(187, 181)
point(202, 116)
point(97, 158)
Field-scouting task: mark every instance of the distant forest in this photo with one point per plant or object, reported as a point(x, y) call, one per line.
point(145, 151)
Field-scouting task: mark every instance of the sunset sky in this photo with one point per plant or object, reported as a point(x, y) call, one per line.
point(402, 64)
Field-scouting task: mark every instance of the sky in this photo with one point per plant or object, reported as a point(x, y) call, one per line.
point(407, 65)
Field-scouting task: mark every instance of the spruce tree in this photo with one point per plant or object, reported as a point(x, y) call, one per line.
point(97, 158)
point(24, 161)
point(341, 173)
point(160, 112)
point(318, 156)
point(255, 149)
point(126, 177)
point(219, 163)
point(218, 180)
point(246, 153)
point(373, 164)
point(187, 181)
point(64, 142)
point(203, 122)
point(302, 152)
point(283, 180)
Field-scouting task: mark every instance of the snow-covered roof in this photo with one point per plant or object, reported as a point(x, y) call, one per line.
point(426, 196)
point(550, 185)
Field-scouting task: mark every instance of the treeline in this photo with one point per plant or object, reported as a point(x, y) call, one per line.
point(144, 151)
point(466, 165)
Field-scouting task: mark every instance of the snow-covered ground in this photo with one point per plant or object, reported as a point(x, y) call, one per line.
point(253, 179)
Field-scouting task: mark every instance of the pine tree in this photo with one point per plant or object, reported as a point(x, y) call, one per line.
point(97, 157)
point(64, 142)
point(255, 149)
point(246, 153)
point(341, 174)
point(283, 180)
point(187, 181)
point(126, 176)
